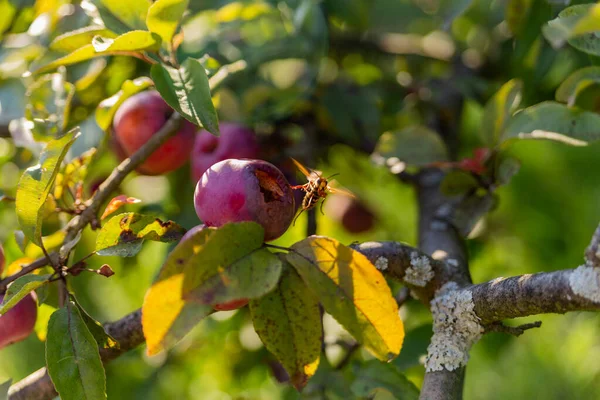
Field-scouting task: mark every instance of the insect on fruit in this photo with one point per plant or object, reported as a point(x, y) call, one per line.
point(316, 188)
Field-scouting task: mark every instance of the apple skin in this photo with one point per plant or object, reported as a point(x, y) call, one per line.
point(229, 305)
point(19, 321)
point(235, 141)
point(245, 190)
point(138, 119)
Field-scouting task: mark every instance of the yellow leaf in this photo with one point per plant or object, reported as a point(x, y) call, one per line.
point(353, 291)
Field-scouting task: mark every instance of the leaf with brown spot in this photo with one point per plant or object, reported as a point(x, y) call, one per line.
point(117, 203)
point(288, 321)
point(124, 234)
point(353, 291)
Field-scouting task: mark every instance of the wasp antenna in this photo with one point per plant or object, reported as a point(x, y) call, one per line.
point(331, 176)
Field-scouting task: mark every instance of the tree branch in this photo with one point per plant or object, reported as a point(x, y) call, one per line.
point(503, 298)
point(39, 263)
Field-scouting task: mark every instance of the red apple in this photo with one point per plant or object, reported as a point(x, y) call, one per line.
point(235, 141)
point(245, 190)
point(140, 117)
point(18, 322)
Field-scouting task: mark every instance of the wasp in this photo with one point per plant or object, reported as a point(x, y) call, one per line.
point(316, 188)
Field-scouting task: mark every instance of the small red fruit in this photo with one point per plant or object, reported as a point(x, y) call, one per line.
point(138, 119)
point(235, 141)
point(351, 213)
point(18, 322)
point(245, 190)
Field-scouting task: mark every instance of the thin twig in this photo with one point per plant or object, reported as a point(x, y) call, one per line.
point(39, 263)
point(512, 330)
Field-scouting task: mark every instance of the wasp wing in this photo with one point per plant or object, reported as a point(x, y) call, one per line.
point(343, 192)
point(302, 168)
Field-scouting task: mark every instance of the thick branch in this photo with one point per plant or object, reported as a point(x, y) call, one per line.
point(520, 296)
point(127, 331)
point(437, 236)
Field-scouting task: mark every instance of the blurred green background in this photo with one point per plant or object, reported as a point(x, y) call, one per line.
point(339, 74)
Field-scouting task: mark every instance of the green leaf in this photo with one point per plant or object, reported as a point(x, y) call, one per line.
point(229, 265)
point(130, 41)
point(107, 108)
point(103, 339)
point(457, 182)
point(48, 104)
point(78, 38)
point(375, 375)
point(288, 321)
point(36, 182)
point(415, 145)
point(578, 25)
point(134, 41)
point(554, 121)
point(166, 317)
point(20, 288)
point(72, 357)
point(186, 89)
point(576, 83)
point(122, 16)
point(123, 234)
point(164, 17)
point(353, 291)
point(499, 109)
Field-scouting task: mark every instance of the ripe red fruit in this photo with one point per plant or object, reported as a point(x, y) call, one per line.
point(140, 117)
point(351, 213)
point(245, 190)
point(227, 306)
point(19, 321)
point(236, 141)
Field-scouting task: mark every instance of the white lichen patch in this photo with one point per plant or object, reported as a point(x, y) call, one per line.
point(452, 261)
point(419, 272)
point(585, 282)
point(381, 263)
point(456, 328)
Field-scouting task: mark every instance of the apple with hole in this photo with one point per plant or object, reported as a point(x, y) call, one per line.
point(18, 322)
point(138, 119)
point(235, 141)
point(245, 190)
